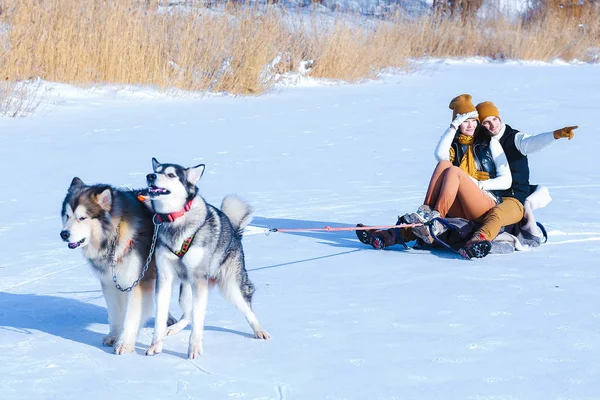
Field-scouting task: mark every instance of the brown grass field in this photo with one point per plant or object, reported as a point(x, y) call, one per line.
point(234, 49)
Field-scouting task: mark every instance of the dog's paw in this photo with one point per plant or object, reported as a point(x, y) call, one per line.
point(123, 348)
point(109, 341)
point(154, 349)
point(195, 351)
point(264, 335)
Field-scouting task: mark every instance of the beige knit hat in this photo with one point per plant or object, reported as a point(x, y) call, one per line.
point(462, 104)
point(487, 109)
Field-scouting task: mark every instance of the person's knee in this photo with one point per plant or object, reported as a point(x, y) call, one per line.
point(510, 211)
point(443, 165)
point(513, 206)
point(455, 173)
point(494, 215)
point(520, 208)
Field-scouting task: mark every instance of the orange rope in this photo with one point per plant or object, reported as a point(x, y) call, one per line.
point(354, 228)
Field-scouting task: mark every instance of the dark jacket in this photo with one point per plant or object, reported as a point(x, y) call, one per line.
point(481, 149)
point(483, 155)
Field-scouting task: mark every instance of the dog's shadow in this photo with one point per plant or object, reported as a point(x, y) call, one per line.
point(345, 239)
point(58, 316)
point(67, 318)
point(341, 239)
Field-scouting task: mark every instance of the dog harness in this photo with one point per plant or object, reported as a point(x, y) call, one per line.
point(125, 250)
point(114, 243)
point(172, 217)
point(184, 247)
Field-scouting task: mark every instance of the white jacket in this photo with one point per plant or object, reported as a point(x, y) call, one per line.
point(528, 144)
point(503, 178)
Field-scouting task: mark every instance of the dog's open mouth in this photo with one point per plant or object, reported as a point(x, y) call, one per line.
point(157, 191)
point(74, 245)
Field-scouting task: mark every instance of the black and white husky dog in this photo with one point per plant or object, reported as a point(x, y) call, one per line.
point(114, 231)
point(202, 246)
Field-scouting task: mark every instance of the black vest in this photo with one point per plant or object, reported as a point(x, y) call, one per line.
point(519, 167)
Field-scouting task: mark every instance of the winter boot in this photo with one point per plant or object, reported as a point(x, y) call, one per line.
point(378, 238)
point(477, 247)
point(364, 235)
point(382, 238)
point(425, 217)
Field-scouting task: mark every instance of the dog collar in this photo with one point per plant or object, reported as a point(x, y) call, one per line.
point(174, 215)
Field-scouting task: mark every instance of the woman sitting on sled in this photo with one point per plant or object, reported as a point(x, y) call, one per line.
point(470, 168)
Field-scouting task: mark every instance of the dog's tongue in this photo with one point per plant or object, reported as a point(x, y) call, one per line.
point(73, 245)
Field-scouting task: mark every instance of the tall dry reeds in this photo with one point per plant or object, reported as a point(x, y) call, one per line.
point(451, 8)
point(241, 49)
point(132, 42)
point(561, 9)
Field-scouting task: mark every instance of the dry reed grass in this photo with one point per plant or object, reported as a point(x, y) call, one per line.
point(18, 99)
point(562, 9)
point(138, 42)
point(130, 42)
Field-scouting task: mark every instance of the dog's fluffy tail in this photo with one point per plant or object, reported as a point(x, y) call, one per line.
point(238, 211)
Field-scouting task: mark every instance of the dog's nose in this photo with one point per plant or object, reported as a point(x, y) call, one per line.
point(151, 177)
point(65, 235)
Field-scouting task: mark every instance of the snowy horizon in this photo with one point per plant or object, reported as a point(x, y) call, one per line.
point(347, 322)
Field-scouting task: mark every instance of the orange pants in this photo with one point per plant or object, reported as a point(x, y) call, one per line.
point(509, 212)
point(453, 193)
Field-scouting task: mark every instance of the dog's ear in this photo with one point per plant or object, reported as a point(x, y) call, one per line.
point(193, 174)
point(155, 164)
point(104, 199)
point(76, 183)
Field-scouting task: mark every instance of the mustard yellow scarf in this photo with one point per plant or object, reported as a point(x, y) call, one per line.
point(467, 163)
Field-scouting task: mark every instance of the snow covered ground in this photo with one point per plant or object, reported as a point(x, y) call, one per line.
point(347, 322)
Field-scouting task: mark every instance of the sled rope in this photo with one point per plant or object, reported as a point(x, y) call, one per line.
point(335, 229)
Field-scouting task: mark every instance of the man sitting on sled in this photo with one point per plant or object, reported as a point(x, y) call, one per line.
point(470, 164)
point(522, 198)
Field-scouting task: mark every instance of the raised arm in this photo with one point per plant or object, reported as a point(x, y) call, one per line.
point(442, 150)
point(528, 144)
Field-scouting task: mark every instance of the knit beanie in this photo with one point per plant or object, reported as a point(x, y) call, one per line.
point(487, 109)
point(461, 104)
